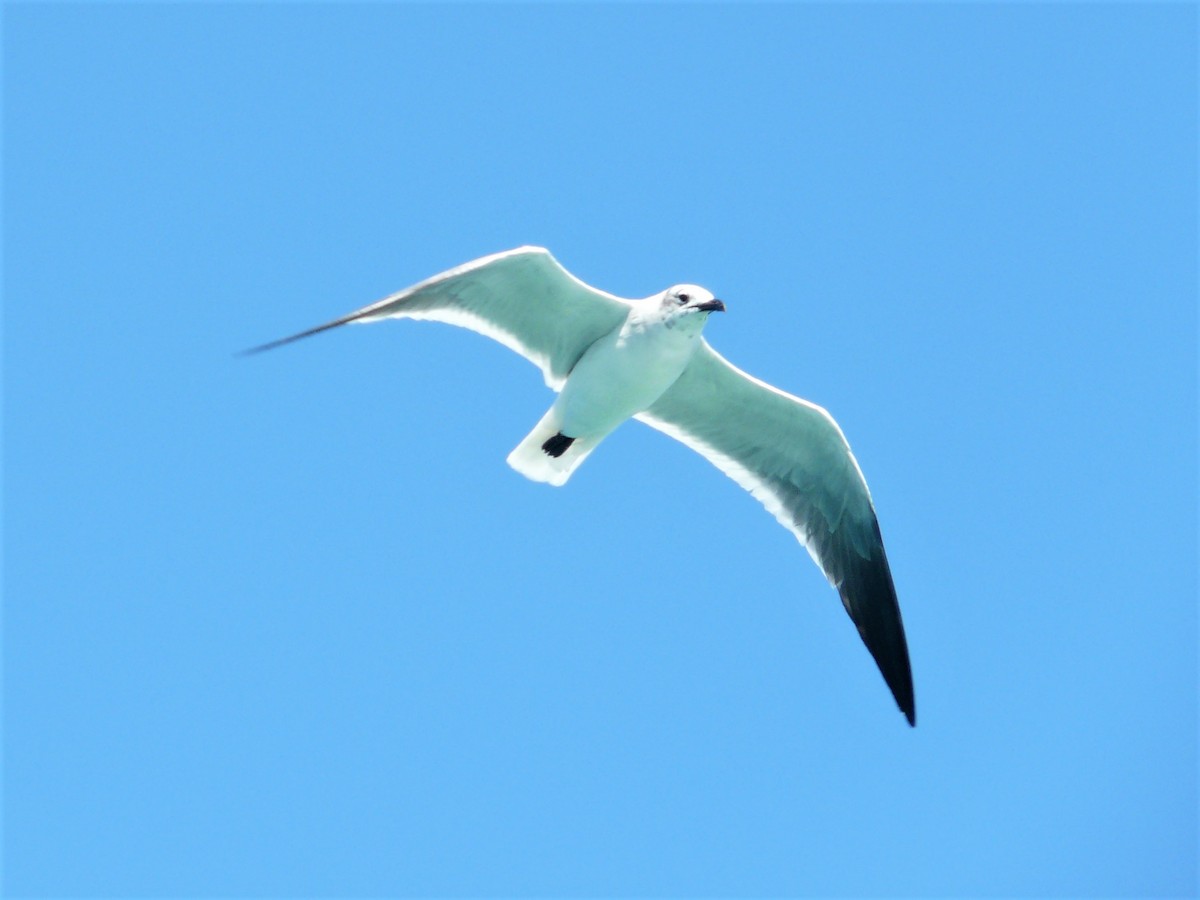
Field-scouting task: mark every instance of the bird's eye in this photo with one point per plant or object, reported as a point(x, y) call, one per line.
point(684, 298)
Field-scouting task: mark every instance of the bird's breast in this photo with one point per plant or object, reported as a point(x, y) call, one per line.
point(620, 375)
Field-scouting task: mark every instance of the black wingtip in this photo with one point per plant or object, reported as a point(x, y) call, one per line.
point(898, 675)
point(901, 684)
point(253, 351)
point(271, 345)
point(897, 672)
point(869, 596)
point(881, 629)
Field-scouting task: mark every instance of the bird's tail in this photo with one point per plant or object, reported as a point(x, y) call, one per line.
point(547, 456)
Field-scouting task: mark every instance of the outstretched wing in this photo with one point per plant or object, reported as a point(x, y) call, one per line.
point(793, 457)
point(522, 298)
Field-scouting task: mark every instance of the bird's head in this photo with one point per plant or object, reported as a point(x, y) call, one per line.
point(688, 303)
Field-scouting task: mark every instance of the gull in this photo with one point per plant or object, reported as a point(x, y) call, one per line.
point(612, 359)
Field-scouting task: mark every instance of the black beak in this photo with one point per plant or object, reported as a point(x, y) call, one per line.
point(713, 305)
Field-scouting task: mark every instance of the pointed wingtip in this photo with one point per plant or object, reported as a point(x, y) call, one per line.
point(251, 351)
point(271, 345)
point(901, 687)
point(869, 595)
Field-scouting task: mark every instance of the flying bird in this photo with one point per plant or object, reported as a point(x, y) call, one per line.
point(612, 359)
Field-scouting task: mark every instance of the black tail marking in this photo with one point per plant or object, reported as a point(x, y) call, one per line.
point(557, 445)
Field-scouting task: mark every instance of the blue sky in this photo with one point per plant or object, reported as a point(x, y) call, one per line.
point(289, 626)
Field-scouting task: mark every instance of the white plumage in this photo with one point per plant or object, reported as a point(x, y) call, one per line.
point(613, 359)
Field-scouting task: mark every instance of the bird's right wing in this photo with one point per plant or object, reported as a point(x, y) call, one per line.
point(522, 298)
point(793, 458)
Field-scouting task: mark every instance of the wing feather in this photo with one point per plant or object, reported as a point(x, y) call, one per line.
point(792, 457)
point(522, 298)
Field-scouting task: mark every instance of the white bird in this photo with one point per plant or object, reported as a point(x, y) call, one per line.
point(612, 359)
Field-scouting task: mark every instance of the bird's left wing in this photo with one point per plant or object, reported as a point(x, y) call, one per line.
point(793, 458)
point(522, 298)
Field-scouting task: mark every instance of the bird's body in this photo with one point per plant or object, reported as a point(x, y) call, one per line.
point(613, 359)
point(626, 371)
point(618, 376)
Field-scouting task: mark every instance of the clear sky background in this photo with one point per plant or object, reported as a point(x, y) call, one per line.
point(288, 625)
